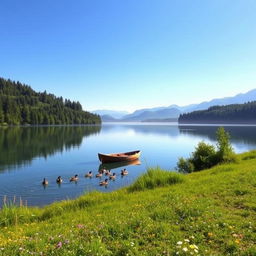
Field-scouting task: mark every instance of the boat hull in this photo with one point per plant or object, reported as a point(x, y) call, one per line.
point(119, 157)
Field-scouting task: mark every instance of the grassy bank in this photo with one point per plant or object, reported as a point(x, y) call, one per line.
point(212, 212)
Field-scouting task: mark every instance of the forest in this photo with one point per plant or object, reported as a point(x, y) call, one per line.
point(21, 105)
point(229, 114)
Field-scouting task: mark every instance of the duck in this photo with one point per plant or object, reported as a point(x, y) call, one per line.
point(104, 183)
point(74, 178)
point(59, 179)
point(89, 174)
point(98, 175)
point(112, 176)
point(107, 173)
point(124, 172)
point(45, 182)
point(103, 170)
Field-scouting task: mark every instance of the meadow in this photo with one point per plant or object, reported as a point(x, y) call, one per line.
point(211, 212)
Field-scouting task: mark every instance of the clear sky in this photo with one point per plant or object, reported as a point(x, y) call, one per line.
point(130, 54)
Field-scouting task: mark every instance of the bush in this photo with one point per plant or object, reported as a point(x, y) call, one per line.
point(205, 155)
point(185, 165)
point(225, 152)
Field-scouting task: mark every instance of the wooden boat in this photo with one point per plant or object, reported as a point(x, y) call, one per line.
point(119, 157)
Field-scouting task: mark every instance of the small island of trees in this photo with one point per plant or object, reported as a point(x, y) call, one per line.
point(21, 105)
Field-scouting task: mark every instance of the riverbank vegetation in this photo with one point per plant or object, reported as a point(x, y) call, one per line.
point(21, 105)
point(211, 212)
point(206, 155)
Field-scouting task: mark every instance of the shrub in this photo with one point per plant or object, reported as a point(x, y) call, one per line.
point(185, 165)
point(225, 152)
point(206, 156)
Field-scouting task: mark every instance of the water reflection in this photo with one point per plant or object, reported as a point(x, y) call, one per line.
point(111, 166)
point(238, 134)
point(20, 145)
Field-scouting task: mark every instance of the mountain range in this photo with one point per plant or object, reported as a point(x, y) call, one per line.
point(171, 112)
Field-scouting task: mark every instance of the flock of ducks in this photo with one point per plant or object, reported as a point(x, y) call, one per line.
point(108, 173)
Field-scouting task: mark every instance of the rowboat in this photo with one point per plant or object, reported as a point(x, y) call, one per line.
point(119, 157)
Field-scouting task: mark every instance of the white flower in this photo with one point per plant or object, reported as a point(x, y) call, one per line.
point(186, 240)
point(179, 243)
point(185, 249)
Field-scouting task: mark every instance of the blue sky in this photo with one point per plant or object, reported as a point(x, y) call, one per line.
point(113, 54)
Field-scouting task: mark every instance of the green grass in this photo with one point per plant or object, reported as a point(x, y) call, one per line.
point(212, 212)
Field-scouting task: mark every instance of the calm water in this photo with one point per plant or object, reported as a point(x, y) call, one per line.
point(28, 154)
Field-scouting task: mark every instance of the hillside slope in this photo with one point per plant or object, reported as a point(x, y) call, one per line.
point(211, 212)
point(20, 104)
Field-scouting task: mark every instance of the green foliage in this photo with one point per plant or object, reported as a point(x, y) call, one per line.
point(206, 156)
point(185, 165)
point(156, 178)
point(225, 151)
point(19, 105)
point(233, 114)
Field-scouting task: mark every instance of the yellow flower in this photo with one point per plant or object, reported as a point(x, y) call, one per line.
point(210, 234)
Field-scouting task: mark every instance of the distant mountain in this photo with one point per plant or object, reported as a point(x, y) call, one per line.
point(238, 99)
point(174, 111)
point(111, 113)
point(108, 118)
point(228, 114)
point(163, 113)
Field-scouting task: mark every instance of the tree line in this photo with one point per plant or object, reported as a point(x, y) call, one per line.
point(20, 104)
point(234, 113)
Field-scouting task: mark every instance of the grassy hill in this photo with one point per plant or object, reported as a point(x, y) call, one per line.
point(212, 212)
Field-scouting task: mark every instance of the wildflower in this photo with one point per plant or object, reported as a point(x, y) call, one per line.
point(237, 241)
point(80, 226)
point(59, 245)
point(186, 240)
point(210, 234)
point(179, 243)
point(132, 244)
point(185, 249)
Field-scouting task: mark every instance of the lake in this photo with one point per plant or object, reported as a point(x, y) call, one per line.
point(28, 154)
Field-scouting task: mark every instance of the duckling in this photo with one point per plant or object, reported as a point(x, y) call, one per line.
point(59, 179)
point(45, 182)
point(104, 183)
point(89, 174)
point(107, 173)
point(124, 172)
point(103, 170)
point(74, 178)
point(112, 176)
point(98, 175)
